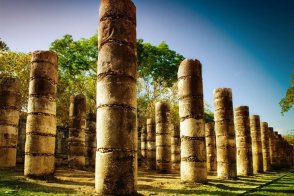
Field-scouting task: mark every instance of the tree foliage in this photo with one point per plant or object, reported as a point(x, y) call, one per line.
point(288, 101)
point(3, 46)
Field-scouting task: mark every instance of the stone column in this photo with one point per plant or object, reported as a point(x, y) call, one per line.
point(210, 148)
point(163, 137)
point(77, 127)
point(21, 140)
point(277, 149)
point(151, 146)
point(265, 146)
point(175, 148)
point(139, 154)
point(90, 140)
point(41, 120)
point(144, 143)
point(116, 156)
point(243, 141)
point(9, 117)
point(272, 145)
point(256, 144)
point(225, 134)
point(191, 110)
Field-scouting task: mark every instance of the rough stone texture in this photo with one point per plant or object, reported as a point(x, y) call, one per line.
point(243, 141)
point(278, 150)
point(41, 120)
point(9, 117)
point(77, 128)
point(90, 140)
point(272, 146)
point(256, 144)
point(61, 151)
point(139, 154)
point(116, 156)
point(163, 137)
point(192, 125)
point(210, 148)
point(151, 146)
point(225, 134)
point(21, 140)
point(175, 148)
point(144, 144)
point(265, 146)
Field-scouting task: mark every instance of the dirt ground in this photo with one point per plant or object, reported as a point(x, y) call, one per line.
point(77, 182)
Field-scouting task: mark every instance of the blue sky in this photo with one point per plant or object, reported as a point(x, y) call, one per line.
point(247, 45)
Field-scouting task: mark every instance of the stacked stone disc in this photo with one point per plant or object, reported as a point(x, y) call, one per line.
point(243, 141)
point(225, 134)
point(256, 144)
point(265, 146)
point(90, 140)
point(116, 156)
point(151, 146)
point(175, 148)
point(272, 146)
point(163, 137)
point(77, 127)
point(41, 120)
point(21, 140)
point(144, 143)
point(192, 125)
point(9, 117)
point(210, 148)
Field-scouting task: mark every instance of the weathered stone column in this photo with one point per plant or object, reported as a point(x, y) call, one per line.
point(191, 110)
point(61, 157)
point(77, 127)
point(175, 148)
point(9, 117)
point(225, 134)
point(278, 150)
point(272, 145)
point(265, 146)
point(21, 141)
point(139, 154)
point(116, 156)
point(41, 120)
point(163, 138)
point(144, 143)
point(256, 144)
point(210, 148)
point(90, 140)
point(243, 141)
point(151, 146)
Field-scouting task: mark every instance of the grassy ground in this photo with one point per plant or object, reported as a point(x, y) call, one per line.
point(75, 182)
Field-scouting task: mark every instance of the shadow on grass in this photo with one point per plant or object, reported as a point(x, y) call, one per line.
point(26, 186)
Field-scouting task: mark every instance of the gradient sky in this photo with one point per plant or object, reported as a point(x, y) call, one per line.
point(246, 45)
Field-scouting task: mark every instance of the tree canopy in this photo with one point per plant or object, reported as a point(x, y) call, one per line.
point(288, 101)
point(3, 46)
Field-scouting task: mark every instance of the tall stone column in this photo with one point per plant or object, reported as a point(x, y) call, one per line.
point(151, 146)
point(163, 137)
point(277, 149)
point(272, 145)
point(191, 110)
point(175, 148)
point(90, 140)
point(256, 144)
point(210, 148)
point(265, 146)
point(77, 127)
point(21, 140)
point(139, 154)
point(243, 141)
point(225, 134)
point(116, 156)
point(41, 120)
point(144, 144)
point(9, 117)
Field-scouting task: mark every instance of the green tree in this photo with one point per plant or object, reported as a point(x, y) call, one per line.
point(287, 102)
point(3, 46)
